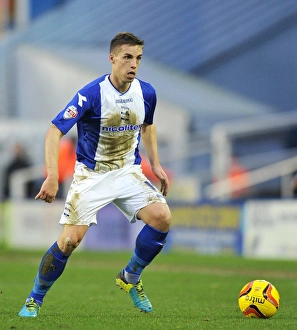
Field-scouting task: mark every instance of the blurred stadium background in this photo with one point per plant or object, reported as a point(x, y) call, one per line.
point(225, 74)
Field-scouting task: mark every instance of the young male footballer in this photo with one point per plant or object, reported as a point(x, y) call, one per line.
point(111, 114)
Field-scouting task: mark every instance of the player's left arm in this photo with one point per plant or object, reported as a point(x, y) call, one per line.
point(150, 143)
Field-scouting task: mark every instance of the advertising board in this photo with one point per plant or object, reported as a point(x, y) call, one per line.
point(206, 228)
point(270, 229)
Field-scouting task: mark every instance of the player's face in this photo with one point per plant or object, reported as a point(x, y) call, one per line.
point(125, 63)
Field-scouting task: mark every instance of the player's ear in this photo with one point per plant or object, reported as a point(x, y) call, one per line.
point(111, 57)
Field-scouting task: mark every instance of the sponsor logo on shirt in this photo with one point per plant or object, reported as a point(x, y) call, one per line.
point(121, 128)
point(70, 112)
point(128, 100)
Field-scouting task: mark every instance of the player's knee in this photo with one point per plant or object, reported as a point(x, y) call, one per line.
point(162, 219)
point(156, 215)
point(70, 245)
point(165, 218)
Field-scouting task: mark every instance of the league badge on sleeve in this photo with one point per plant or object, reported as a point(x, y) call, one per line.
point(70, 113)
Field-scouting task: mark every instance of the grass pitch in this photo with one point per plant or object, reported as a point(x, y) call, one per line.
point(188, 291)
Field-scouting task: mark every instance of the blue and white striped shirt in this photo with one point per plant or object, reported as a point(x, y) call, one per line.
point(108, 122)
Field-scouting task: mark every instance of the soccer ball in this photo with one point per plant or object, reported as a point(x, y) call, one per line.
point(258, 299)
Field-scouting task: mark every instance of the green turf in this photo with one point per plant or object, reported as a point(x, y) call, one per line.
point(187, 291)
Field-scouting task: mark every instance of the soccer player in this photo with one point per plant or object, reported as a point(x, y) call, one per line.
point(111, 113)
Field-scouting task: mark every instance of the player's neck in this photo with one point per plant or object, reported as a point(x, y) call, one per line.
point(119, 85)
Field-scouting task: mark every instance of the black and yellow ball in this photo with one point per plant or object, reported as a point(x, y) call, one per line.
point(259, 299)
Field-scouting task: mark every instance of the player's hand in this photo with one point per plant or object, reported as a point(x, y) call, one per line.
point(162, 176)
point(48, 190)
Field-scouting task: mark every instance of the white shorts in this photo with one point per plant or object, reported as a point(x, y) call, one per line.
point(127, 188)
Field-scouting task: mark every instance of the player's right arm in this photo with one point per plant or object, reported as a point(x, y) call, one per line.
point(50, 185)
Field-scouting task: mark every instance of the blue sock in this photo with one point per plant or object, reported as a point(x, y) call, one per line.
point(149, 243)
point(51, 267)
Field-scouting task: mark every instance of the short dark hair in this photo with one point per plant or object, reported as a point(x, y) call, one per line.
point(125, 38)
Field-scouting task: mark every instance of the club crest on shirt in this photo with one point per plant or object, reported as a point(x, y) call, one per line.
point(70, 112)
point(125, 115)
